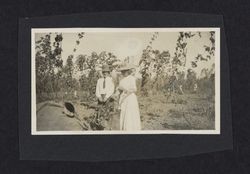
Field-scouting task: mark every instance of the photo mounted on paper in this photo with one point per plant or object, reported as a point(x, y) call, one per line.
point(125, 81)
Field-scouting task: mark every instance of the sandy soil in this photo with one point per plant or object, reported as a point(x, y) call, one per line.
point(185, 112)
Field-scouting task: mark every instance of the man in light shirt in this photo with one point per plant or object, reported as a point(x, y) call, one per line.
point(104, 90)
point(105, 86)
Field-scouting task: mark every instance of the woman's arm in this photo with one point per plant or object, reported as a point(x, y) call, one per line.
point(121, 88)
point(131, 90)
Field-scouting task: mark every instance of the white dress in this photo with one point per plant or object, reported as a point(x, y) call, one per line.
point(130, 114)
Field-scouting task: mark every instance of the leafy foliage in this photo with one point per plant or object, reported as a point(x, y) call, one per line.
point(51, 75)
point(180, 54)
point(209, 51)
point(82, 71)
point(154, 64)
point(80, 36)
point(48, 59)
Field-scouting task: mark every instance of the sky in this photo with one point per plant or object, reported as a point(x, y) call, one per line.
point(123, 44)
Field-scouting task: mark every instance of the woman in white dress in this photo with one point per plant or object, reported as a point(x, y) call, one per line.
point(128, 104)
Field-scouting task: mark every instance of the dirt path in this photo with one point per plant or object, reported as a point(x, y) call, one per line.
point(51, 118)
point(193, 112)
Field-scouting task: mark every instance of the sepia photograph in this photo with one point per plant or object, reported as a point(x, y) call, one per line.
point(125, 81)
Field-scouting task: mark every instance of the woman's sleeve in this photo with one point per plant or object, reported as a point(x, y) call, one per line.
point(120, 86)
point(133, 87)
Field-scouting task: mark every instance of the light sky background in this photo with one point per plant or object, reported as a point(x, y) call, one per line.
point(123, 44)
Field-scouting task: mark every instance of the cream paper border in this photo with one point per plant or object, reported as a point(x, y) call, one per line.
point(72, 30)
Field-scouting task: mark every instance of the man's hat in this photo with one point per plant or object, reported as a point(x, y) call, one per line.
point(69, 109)
point(105, 68)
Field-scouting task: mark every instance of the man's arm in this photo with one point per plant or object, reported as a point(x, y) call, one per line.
point(111, 89)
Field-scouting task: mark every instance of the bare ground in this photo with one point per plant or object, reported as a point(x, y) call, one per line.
point(179, 112)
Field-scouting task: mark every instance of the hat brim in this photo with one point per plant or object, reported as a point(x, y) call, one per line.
point(105, 70)
point(127, 68)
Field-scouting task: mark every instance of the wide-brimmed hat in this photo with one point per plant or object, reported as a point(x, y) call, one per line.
point(69, 109)
point(105, 68)
point(126, 66)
